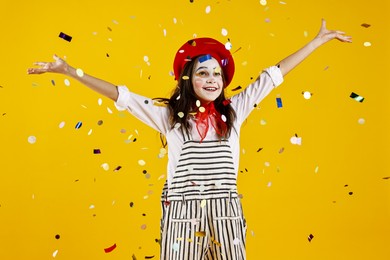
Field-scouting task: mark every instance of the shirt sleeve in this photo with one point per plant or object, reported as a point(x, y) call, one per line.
point(245, 101)
point(143, 109)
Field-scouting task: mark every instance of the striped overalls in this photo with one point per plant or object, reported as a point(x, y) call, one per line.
point(202, 214)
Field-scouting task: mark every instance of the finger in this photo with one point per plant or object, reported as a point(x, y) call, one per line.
point(323, 23)
point(39, 63)
point(35, 71)
point(56, 57)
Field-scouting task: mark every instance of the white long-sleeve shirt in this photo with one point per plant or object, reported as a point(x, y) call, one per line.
point(157, 117)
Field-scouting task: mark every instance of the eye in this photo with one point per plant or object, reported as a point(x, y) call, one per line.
point(202, 73)
point(217, 73)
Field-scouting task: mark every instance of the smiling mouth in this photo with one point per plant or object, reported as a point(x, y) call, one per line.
point(212, 89)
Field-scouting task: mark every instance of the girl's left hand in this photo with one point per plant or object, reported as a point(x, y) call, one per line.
point(326, 35)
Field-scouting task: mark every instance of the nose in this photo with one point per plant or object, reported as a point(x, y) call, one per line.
point(211, 79)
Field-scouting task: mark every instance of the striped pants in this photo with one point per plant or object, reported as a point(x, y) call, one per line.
point(203, 229)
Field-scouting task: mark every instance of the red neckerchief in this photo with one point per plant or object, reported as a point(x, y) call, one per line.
point(202, 120)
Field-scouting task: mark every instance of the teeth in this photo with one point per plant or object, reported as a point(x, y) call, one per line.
point(210, 89)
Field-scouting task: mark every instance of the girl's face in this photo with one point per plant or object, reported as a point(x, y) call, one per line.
point(207, 80)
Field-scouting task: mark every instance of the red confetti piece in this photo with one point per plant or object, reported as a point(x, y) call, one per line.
point(109, 249)
point(226, 102)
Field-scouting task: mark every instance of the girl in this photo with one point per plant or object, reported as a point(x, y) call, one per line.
point(202, 215)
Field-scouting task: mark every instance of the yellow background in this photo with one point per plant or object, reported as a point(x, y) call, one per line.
point(56, 186)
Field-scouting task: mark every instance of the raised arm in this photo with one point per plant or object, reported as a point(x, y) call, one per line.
point(60, 66)
point(324, 36)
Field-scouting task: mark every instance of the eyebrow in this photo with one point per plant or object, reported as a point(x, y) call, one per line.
point(203, 67)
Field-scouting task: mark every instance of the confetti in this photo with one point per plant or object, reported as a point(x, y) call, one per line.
point(143, 226)
point(208, 9)
point(80, 73)
point(203, 203)
point(263, 2)
point(105, 166)
point(361, 121)
point(224, 32)
point(356, 97)
point(96, 151)
point(228, 46)
point(365, 25)
point(367, 44)
point(110, 249)
point(386, 178)
point(202, 109)
point(117, 168)
point(78, 125)
point(180, 114)
point(55, 253)
point(223, 117)
point(175, 246)
point(53, 82)
point(306, 95)
point(65, 36)
point(263, 122)
point(279, 102)
point(310, 237)
point(67, 82)
point(32, 139)
point(100, 122)
point(296, 140)
point(185, 78)
point(141, 162)
point(236, 241)
point(61, 125)
point(200, 234)
point(57, 236)
point(205, 58)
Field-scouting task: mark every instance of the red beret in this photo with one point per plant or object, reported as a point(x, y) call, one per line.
point(205, 46)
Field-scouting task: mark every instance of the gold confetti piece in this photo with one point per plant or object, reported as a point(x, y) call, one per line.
point(180, 114)
point(263, 2)
point(217, 70)
point(200, 234)
point(185, 77)
point(202, 109)
point(203, 203)
point(55, 253)
point(365, 25)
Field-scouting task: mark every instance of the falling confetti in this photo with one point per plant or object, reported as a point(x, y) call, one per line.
point(55, 253)
point(306, 95)
point(224, 32)
point(61, 125)
point(357, 97)
point(110, 249)
point(32, 139)
point(67, 82)
point(80, 73)
point(96, 151)
point(367, 44)
point(279, 102)
point(310, 237)
point(361, 121)
point(365, 25)
point(78, 125)
point(141, 162)
point(65, 36)
point(208, 9)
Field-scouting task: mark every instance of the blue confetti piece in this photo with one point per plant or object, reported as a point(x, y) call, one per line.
point(78, 125)
point(279, 102)
point(205, 58)
point(53, 82)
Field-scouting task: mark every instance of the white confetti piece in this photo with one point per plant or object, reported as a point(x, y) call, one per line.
point(367, 44)
point(55, 253)
point(296, 140)
point(61, 125)
point(203, 203)
point(202, 109)
point(208, 9)
point(141, 162)
point(306, 95)
point(90, 132)
point(67, 82)
point(92, 206)
point(263, 122)
point(32, 139)
point(224, 32)
point(263, 2)
point(105, 166)
point(236, 241)
point(175, 246)
point(100, 101)
point(228, 46)
point(361, 121)
point(174, 20)
point(180, 114)
point(79, 72)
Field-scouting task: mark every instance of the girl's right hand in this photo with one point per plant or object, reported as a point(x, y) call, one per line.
point(58, 66)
